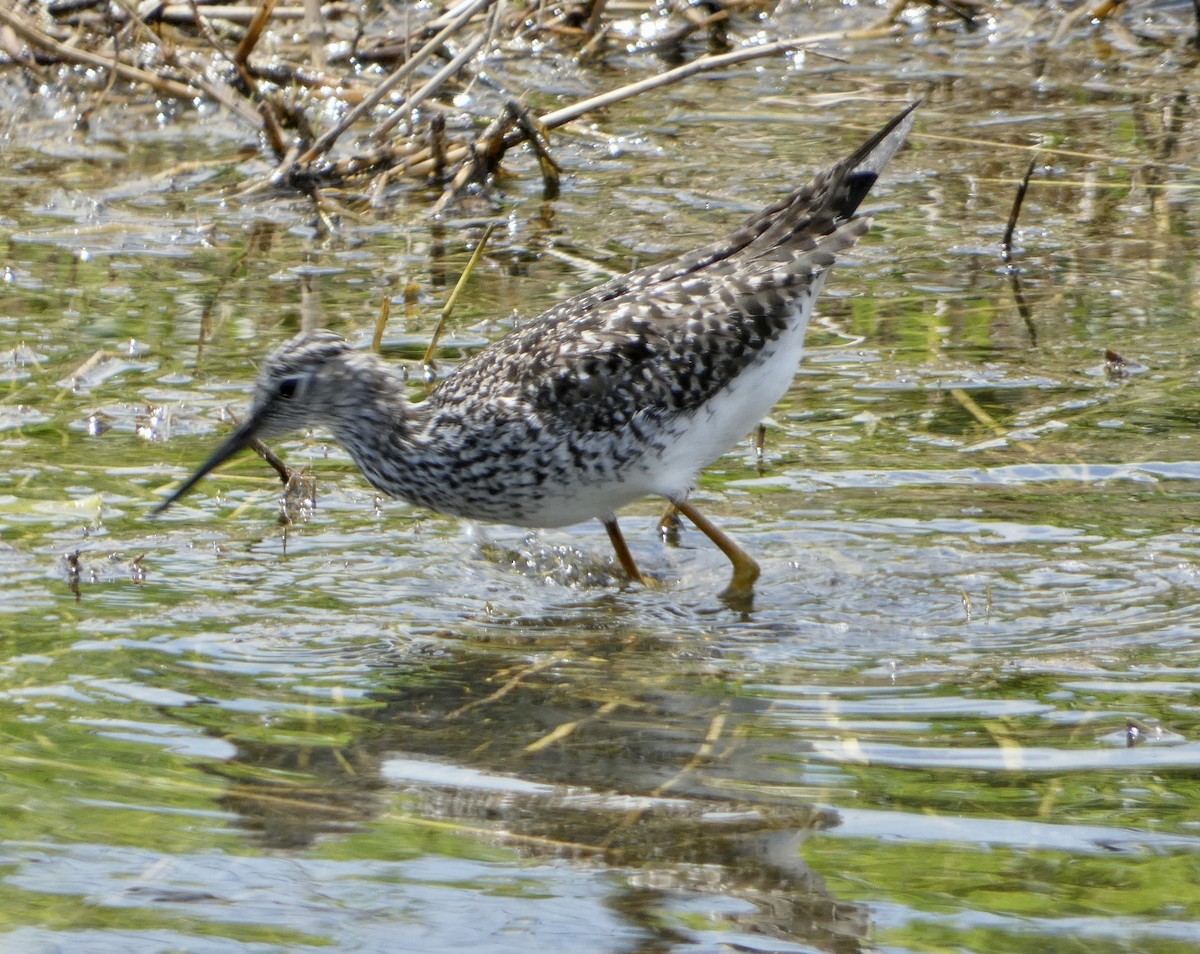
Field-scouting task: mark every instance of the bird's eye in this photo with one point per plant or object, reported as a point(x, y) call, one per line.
point(287, 388)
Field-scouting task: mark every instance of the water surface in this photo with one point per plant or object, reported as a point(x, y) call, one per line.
point(961, 714)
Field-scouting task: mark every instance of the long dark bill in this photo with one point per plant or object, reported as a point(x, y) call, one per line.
point(239, 440)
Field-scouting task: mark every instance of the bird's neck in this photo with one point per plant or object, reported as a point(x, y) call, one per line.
point(393, 441)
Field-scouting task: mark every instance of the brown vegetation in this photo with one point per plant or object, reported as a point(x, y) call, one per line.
point(390, 75)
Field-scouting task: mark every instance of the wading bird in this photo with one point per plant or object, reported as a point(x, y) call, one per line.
point(625, 391)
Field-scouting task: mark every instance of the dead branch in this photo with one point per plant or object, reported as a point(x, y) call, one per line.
point(70, 54)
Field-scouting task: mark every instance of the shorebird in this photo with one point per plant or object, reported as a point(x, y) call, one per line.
point(623, 392)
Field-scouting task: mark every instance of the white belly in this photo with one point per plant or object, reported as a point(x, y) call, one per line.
point(733, 412)
point(694, 441)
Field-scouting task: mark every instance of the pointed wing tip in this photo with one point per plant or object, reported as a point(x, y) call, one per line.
point(878, 151)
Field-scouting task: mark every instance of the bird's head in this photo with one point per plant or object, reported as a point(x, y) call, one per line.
point(303, 382)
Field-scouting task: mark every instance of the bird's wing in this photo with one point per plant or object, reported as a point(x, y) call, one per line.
point(669, 336)
point(667, 347)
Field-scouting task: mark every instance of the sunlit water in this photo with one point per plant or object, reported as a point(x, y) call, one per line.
point(961, 714)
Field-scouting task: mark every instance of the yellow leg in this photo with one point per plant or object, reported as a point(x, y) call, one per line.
point(745, 570)
point(669, 523)
point(624, 557)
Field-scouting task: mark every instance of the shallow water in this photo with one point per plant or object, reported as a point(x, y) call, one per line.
point(961, 714)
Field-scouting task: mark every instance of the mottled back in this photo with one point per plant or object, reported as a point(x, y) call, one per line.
point(671, 335)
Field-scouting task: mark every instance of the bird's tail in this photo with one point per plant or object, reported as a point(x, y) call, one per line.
point(857, 173)
point(831, 199)
point(811, 222)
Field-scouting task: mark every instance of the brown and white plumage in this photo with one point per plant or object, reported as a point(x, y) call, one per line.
point(625, 391)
